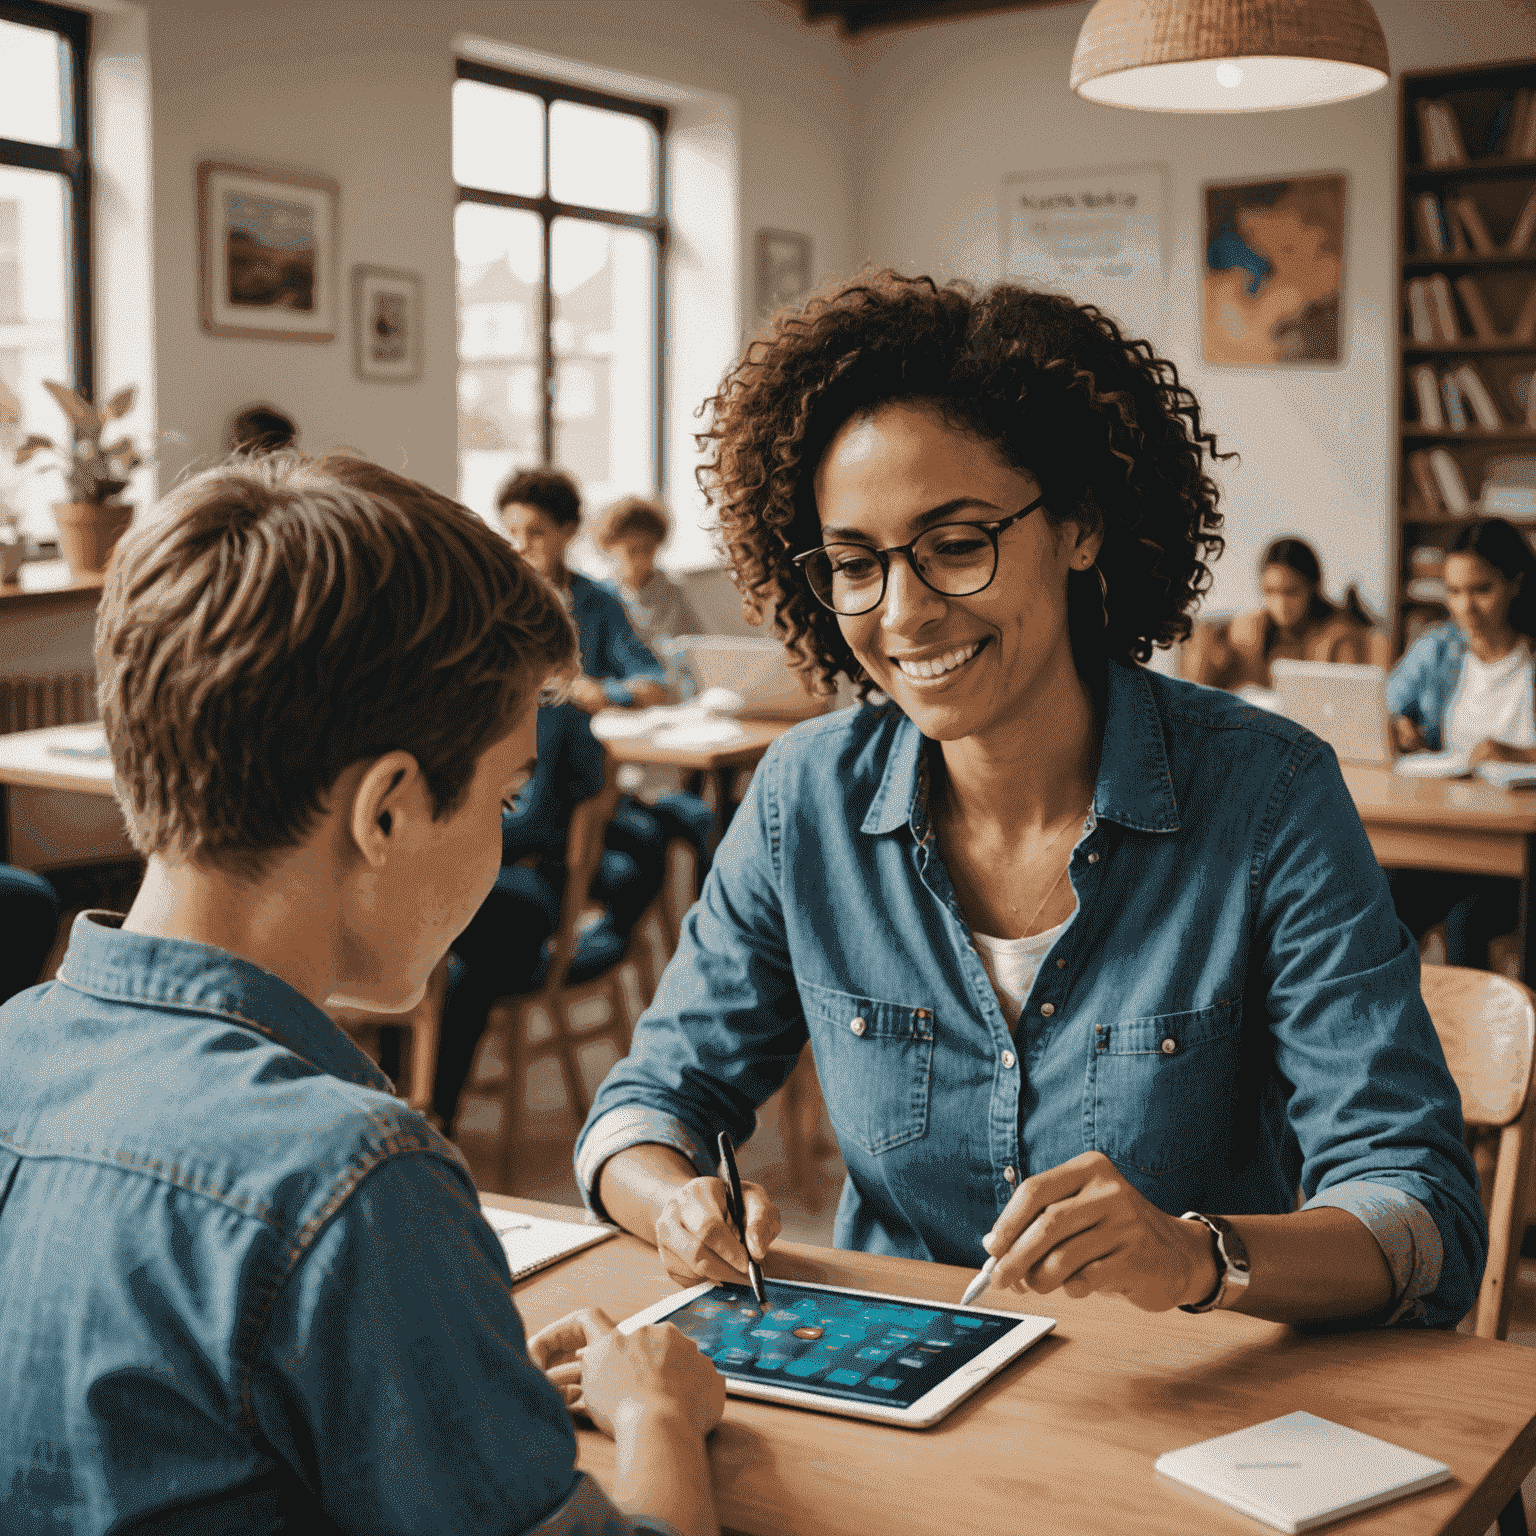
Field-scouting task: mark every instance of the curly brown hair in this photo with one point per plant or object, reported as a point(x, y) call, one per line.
point(1100, 421)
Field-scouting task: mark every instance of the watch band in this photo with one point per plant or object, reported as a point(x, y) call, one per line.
point(1231, 1261)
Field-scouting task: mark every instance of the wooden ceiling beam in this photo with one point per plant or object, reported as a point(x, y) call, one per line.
point(855, 16)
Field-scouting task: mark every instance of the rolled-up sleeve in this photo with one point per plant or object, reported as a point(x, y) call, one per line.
point(1372, 1104)
point(393, 1376)
point(725, 1028)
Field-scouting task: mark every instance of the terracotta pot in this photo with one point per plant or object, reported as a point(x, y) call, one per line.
point(88, 530)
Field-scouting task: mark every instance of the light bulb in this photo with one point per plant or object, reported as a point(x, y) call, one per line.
point(1229, 75)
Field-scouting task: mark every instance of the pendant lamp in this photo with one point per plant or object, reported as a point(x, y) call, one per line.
point(1228, 55)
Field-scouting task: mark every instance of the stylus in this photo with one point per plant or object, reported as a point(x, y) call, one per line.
point(738, 1214)
point(980, 1283)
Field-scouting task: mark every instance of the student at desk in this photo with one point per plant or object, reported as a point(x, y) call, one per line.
point(1466, 687)
point(243, 1288)
point(1097, 966)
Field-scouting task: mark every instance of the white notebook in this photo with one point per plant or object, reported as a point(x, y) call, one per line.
point(1298, 1472)
point(531, 1242)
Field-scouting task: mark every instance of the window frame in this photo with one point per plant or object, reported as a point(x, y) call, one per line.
point(71, 162)
point(549, 209)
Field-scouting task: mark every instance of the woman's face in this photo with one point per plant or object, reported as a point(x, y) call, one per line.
point(1478, 595)
point(1287, 595)
point(957, 666)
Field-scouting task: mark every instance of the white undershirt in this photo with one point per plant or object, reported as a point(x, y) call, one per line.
point(1013, 964)
point(1493, 701)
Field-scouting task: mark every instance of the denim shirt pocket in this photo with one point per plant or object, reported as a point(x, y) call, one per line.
point(1163, 1089)
point(875, 1062)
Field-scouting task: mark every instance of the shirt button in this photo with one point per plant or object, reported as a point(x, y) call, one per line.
point(1061, 965)
point(1009, 1176)
point(1170, 1045)
point(1007, 1058)
point(1093, 858)
point(1047, 1009)
point(858, 1026)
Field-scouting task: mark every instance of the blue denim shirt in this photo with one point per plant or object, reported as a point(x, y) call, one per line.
point(243, 1288)
point(1233, 1011)
point(611, 651)
point(1423, 683)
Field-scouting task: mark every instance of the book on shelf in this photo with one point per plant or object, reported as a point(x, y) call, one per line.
point(1470, 217)
point(1421, 313)
point(1450, 481)
point(1429, 225)
point(1523, 228)
point(1524, 328)
point(1455, 407)
point(1427, 387)
point(1439, 133)
point(1443, 307)
point(1497, 129)
point(1521, 393)
point(1477, 309)
point(1425, 482)
point(1520, 143)
point(1519, 118)
point(1474, 394)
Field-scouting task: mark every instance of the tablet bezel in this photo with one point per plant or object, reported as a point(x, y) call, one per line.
point(928, 1409)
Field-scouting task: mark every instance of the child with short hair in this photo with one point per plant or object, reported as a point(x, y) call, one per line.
point(241, 1284)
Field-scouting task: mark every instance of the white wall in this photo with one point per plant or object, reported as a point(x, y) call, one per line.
point(361, 92)
point(946, 110)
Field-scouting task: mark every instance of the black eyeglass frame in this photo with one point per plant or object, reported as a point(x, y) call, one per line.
point(991, 529)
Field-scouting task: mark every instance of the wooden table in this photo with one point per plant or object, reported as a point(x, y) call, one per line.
point(1063, 1441)
point(1458, 825)
point(57, 810)
point(715, 763)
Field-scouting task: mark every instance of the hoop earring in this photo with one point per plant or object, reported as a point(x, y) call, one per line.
point(1103, 593)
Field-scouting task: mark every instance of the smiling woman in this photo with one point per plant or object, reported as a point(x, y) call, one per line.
point(1083, 953)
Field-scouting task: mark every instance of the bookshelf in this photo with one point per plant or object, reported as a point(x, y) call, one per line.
point(1467, 307)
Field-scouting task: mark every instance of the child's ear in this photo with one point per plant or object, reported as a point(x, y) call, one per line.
point(381, 795)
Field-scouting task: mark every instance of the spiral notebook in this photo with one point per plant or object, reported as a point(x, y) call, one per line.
point(533, 1242)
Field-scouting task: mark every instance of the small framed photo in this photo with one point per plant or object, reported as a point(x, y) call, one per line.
point(783, 269)
point(386, 324)
point(268, 246)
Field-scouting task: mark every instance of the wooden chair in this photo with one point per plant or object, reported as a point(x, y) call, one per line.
point(424, 1023)
point(1487, 1028)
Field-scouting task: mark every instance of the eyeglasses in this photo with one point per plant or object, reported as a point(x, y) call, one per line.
point(952, 559)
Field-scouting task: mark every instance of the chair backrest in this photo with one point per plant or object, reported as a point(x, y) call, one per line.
point(1487, 1029)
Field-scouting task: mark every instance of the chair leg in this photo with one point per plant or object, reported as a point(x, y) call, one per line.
point(1512, 1517)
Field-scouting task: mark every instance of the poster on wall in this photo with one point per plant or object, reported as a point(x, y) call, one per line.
point(386, 324)
point(268, 244)
point(1096, 234)
point(1274, 270)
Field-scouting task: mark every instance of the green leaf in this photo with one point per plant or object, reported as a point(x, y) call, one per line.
point(81, 413)
point(120, 404)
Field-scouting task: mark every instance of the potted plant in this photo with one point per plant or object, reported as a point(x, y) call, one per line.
point(93, 519)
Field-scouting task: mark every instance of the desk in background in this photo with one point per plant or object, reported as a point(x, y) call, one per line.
point(1064, 1440)
point(56, 810)
point(1458, 825)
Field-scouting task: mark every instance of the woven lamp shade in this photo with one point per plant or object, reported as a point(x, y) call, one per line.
point(1228, 55)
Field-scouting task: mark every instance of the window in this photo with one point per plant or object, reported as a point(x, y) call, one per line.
point(45, 308)
point(560, 240)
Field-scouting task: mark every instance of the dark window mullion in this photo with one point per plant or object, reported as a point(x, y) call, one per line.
point(547, 350)
point(547, 207)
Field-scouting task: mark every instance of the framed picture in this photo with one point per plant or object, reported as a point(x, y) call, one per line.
point(1274, 272)
point(268, 246)
point(783, 269)
point(386, 324)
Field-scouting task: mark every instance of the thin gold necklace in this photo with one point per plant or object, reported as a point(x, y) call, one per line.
point(1056, 837)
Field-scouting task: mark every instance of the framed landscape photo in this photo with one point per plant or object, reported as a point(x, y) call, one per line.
point(268, 245)
point(386, 323)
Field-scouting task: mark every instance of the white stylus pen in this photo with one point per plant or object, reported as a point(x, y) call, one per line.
point(980, 1283)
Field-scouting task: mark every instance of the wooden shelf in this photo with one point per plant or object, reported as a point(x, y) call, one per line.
point(1471, 434)
point(82, 592)
point(1450, 520)
point(1492, 168)
point(1466, 344)
point(1415, 263)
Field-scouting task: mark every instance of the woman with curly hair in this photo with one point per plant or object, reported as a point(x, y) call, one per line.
point(1097, 966)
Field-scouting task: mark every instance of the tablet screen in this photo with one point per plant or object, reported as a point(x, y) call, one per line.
point(855, 1347)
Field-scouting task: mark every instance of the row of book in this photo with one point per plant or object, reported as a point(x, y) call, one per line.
point(1455, 226)
point(1440, 483)
point(1432, 311)
point(1458, 399)
point(1512, 131)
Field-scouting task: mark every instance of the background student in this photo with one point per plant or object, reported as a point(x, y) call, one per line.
point(630, 533)
point(269, 1300)
point(29, 920)
point(1466, 686)
point(1297, 623)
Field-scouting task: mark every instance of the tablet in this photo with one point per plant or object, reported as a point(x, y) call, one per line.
point(858, 1353)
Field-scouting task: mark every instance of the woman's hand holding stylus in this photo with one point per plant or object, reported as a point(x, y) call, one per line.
point(695, 1236)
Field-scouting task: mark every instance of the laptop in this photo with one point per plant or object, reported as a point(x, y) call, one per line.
point(1344, 704)
point(756, 670)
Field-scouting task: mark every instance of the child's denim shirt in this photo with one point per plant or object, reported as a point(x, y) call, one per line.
point(1232, 1014)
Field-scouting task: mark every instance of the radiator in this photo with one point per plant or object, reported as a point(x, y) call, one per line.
point(63, 698)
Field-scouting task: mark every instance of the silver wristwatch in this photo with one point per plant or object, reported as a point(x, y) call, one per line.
point(1231, 1260)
